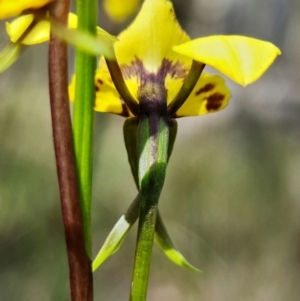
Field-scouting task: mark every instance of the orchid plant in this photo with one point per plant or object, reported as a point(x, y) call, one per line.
point(151, 75)
point(163, 80)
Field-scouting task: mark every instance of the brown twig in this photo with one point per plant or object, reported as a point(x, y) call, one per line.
point(80, 273)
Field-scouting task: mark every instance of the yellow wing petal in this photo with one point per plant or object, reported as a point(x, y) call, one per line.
point(39, 34)
point(107, 98)
point(9, 8)
point(242, 59)
point(209, 95)
point(120, 10)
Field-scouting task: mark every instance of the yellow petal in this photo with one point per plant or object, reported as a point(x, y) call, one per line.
point(209, 95)
point(151, 36)
point(107, 97)
point(242, 59)
point(145, 48)
point(39, 34)
point(120, 10)
point(13, 8)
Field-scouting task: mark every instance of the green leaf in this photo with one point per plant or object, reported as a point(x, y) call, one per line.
point(9, 55)
point(164, 241)
point(153, 140)
point(83, 113)
point(112, 242)
point(117, 235)
point(130, 130)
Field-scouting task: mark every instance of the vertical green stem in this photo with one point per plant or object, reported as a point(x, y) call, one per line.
point(83, 117)
point(153, 151)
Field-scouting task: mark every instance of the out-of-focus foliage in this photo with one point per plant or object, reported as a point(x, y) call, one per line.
point(231, 198)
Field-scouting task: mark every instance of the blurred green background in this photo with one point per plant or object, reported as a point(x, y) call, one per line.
point(231, 198)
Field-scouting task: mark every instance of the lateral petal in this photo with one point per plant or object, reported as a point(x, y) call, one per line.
point(242, 59)
point(209, 95)
point(107, 98)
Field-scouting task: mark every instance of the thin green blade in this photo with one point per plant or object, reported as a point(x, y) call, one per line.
point(117, 235)
point(164, 241)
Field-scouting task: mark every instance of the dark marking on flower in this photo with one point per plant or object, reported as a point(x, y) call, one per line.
point(174, 69)
point(206, 88)
point(98, 83)
point(136, 69)
point(214, 101)
point(152, 93)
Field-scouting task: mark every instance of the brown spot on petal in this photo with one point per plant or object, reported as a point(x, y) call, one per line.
point(214, 101)
point(206, 88)
point(98, 83)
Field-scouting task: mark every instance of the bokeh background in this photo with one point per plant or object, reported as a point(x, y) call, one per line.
point(231, 198)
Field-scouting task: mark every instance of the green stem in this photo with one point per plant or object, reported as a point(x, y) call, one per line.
point(83, 117)
point(153, 151)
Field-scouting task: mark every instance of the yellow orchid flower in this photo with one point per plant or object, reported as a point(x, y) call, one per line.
point(33, 29)
point(41, 31)
point(9, 8)
point(120, 10)
point(156, 59)
point(154, 48)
